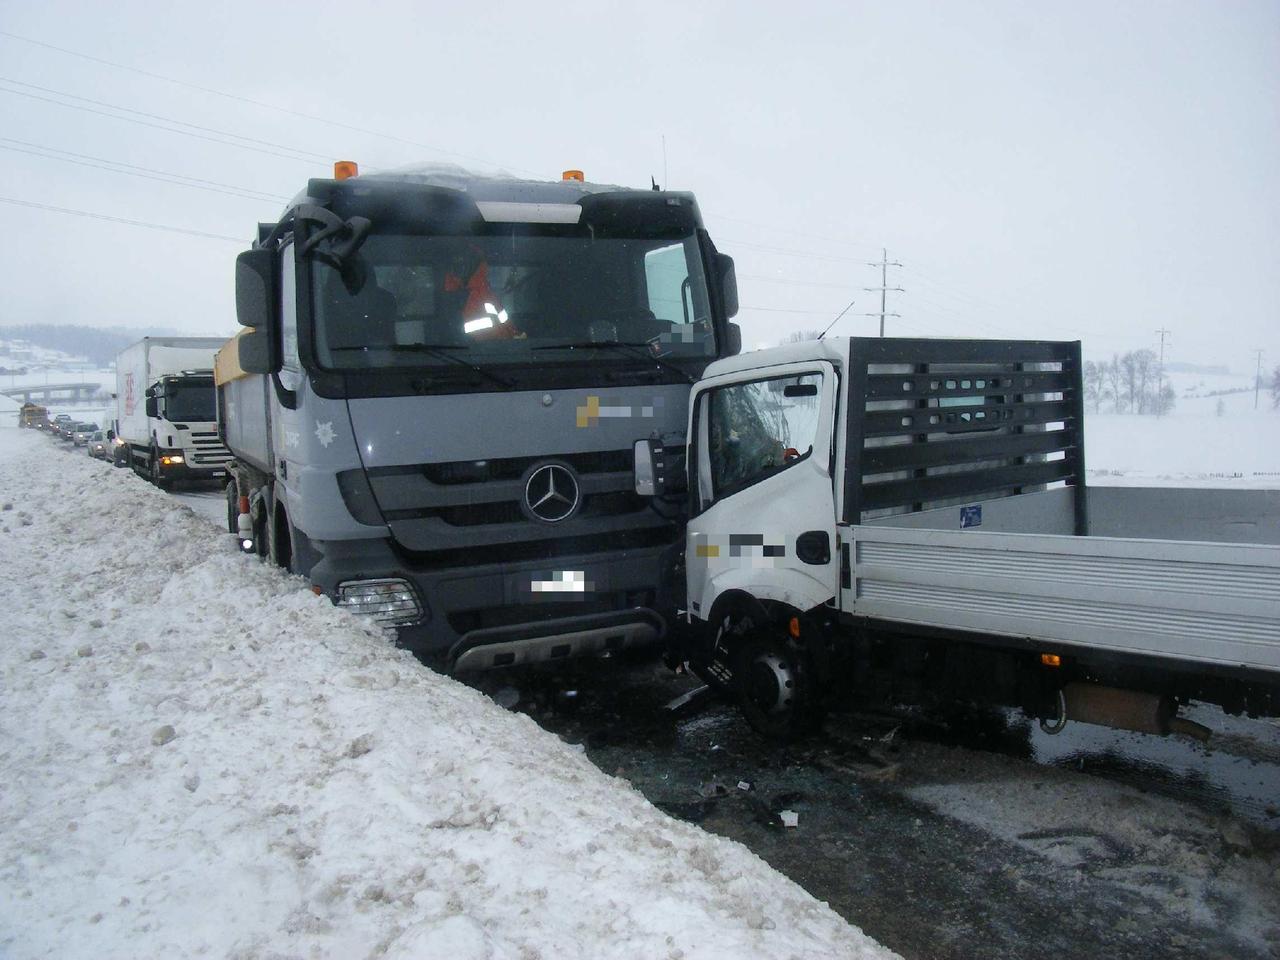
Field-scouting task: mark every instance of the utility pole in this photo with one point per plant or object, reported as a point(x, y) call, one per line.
point(1160, 374)
point(884, 264)
point(1257, 380)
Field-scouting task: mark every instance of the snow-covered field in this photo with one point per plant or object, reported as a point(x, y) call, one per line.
point(200, 757)
point(1208, 441)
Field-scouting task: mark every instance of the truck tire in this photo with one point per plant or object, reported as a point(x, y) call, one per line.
point(233, 509)
point(156, 476)
point(776, 686)
point(280, 541)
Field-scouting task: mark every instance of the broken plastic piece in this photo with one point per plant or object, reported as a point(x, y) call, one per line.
point(790, 818)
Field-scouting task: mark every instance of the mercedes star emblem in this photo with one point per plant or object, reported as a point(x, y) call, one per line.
point(551, 493)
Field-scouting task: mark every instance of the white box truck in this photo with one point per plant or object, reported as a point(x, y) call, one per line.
point(165, 408)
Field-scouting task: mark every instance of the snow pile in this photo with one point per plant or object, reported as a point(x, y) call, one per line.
point(198, 756)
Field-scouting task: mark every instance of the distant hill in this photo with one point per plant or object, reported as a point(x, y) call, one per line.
point(99, 345)
point(1182, 367)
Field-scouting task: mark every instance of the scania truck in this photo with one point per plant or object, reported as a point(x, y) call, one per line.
point(438, 396)
point(165, 410)
point(907, 521)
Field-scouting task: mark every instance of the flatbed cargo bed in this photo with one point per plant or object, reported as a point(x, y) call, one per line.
point(1212, 604)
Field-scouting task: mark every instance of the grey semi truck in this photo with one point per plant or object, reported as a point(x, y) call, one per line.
point(440, 393)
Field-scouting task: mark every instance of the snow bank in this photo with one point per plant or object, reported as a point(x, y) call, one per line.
point(200, 757)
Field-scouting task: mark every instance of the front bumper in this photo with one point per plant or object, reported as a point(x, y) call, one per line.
point(184, 469)
point(505, 614)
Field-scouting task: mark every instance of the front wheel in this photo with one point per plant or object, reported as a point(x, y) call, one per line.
point(776, 687)
point(158, 478)
point(280, 542)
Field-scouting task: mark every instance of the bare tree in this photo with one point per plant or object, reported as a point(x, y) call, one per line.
point(1144, 375)
point(1275, 387)
point(800, 336)
point(1095, 386)
point(1114, 377)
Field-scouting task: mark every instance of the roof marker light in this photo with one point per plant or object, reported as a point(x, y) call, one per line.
point(573, 175)
point(345, 169)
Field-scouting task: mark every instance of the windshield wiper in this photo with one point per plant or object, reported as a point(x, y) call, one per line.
point(440, 350)
point(631, 348)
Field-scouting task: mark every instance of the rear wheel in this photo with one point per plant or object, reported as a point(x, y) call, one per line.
point(233, 508)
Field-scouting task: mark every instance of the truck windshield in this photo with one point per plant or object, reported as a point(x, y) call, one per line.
point(192, 401)
point(518, 295)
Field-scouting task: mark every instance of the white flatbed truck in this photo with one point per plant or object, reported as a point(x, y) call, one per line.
point(908, 520)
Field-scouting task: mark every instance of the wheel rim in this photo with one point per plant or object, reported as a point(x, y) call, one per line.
point(771, 683)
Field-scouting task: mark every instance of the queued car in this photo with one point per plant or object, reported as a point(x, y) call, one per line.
point(99, 447)
point(57, 423)
point(82, 432)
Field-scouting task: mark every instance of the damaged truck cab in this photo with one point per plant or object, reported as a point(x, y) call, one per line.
point(436, 400)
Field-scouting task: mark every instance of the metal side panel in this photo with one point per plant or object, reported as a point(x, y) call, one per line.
point(1201, 602)
point(1178, 513)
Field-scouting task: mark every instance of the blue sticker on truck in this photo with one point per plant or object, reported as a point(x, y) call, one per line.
point(971, 516)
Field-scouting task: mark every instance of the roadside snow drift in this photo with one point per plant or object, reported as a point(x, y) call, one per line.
point(200, 757)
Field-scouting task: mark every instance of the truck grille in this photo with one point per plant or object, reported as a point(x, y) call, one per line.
point(461, 505)
point(208, 450)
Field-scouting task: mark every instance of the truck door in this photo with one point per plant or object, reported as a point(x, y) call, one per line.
point(763, 506)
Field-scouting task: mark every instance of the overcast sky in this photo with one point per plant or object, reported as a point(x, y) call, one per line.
point(1088, 171)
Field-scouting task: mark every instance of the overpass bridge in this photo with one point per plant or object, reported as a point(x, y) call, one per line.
point(48, 393)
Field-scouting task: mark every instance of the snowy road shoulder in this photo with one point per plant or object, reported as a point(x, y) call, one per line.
point(199, 756)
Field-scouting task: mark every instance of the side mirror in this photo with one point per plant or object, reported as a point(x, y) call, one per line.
point(256, 288)
point(732, 339)
point(728, 284)
point(256, 299)
point(650, 468)
point(153, 407)
point(257, 352)
point(111, 434)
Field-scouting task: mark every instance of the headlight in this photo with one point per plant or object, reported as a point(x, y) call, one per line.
point(389, 601)
point(167, 461)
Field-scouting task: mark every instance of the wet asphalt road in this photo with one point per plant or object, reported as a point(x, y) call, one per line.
point(972, 836)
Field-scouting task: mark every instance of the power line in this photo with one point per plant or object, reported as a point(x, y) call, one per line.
point(787, 251)
point(256, 103)
point(131, 166)
point(124, 220)
point(102, 113)
point(777, 229)
point(785, 280)
point(815, 313)
point(150, 175)
point(154, 116)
